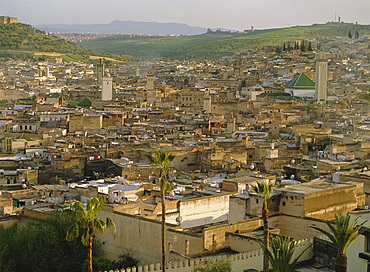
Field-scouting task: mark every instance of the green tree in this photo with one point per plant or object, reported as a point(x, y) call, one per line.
point(264, 190)
point(309, 46)
point(280, 253)
point(350, 34)
point(163, 159)
point(357, 35)
point(341, 233)
point(211, 265)
point(303, 46)
point(86, 222)
point(40, 245)
point(278, 50)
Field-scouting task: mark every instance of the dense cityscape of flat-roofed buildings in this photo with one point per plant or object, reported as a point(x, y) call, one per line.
point(300, 120)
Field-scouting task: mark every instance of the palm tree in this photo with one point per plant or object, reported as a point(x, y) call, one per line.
point(280, 253)
point(86, 222)
point(341, 234)
point(163, 159)
point(264, 190)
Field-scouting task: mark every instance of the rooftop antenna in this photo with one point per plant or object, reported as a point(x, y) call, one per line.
point(335, 18)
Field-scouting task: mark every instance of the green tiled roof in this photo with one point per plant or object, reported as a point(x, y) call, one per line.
point(24, 136)
point(301, 80)
point(86, 102)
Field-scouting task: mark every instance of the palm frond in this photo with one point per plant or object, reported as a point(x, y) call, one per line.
point(280, 253)
point(85, 237)
point(341, 233)
point(73, 232)
point(164, 184)
point(263, 189)
point(100, 225)
point(79, 210)
point(110, 224)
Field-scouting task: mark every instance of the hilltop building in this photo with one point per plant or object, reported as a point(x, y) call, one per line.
point(8, 20)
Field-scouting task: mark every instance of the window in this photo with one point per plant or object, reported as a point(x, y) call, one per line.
point(367, 243)
point(187, 247)
point(257, 201)
point(8, 144)
point(284, 203)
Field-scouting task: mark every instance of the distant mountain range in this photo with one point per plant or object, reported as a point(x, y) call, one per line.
point(130, 27)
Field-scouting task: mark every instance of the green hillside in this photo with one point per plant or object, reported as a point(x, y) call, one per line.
point(22, 41)
point(217, 44)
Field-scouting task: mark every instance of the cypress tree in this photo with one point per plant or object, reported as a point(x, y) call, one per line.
point(357, 35)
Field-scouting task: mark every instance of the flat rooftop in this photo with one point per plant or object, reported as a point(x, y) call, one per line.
point(312, 187)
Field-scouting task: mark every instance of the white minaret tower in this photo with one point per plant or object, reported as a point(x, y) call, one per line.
point(321, 84)
point(107, 89)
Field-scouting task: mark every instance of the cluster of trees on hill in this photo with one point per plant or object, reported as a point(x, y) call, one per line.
point(25, 37)
point(287, 47)
point(19, 41)
point(357, 34)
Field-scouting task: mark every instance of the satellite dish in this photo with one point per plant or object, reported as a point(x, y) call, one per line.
point(365, 168)
point(24, 186)
point(292, 176)
point(292, 161)
point(252, 167)
point(337, 168)
point(178, 219)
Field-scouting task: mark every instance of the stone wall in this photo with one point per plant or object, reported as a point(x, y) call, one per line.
point(204, 210)
point(214, 237)
point(303, 225)
point(141, 237)
point(239, 262)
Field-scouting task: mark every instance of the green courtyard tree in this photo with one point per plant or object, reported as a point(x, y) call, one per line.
point(163, 159)
point(86, 222)
point(341, 233)
point(264, 190)
point(350, 34)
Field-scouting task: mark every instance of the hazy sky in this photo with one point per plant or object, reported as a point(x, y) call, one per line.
point(232, 14)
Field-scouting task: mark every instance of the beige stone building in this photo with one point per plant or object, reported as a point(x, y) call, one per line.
point(8, 20)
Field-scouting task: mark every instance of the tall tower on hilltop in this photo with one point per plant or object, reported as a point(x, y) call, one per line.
point(107, 89)
point(321, 77)
point(150, 91)
point(99, 72)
